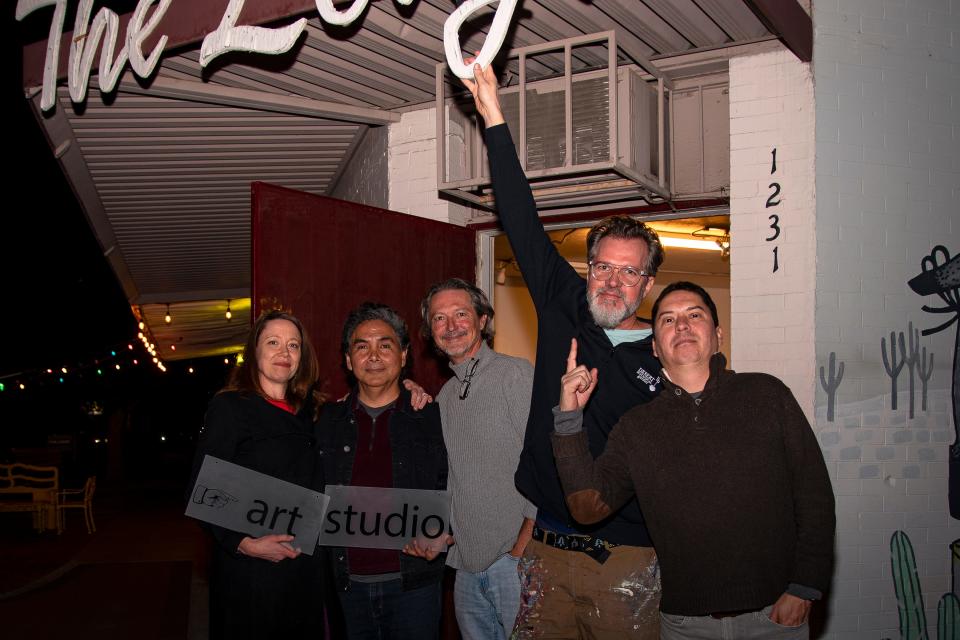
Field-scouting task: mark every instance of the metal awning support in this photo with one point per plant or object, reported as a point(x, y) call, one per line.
point(790, 22)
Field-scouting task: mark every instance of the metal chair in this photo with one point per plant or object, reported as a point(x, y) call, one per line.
point(77, 499)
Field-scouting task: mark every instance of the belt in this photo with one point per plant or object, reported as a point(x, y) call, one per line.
point(732, 614)
point(596, 548)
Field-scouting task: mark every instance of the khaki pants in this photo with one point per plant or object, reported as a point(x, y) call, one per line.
point(756, 625)
point(568, 594)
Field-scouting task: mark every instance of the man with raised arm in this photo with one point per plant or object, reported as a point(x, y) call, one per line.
point(602, 580)
point(728, 473)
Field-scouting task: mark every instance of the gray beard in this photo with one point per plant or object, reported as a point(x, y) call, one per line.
point(607, 316)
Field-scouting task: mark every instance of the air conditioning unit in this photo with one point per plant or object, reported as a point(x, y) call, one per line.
point(586, 130)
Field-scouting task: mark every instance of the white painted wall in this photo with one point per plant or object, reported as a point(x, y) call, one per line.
point(887, 78)
point(364, 180)
point(772, 312)
point(412, 170)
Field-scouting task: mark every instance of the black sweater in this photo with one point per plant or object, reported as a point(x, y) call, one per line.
point(733, 485)
point(629, 371)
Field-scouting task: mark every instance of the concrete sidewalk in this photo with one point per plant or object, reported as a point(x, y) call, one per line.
point(142, 574)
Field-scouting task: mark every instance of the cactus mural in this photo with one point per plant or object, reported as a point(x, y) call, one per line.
point(924, 371)
point(913, 359)
point(906, 584)
point(891, 364)
point(831, 383)
point(948, 616)
point(940, 275)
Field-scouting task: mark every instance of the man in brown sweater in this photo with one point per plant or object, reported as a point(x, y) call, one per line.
point(729, 476)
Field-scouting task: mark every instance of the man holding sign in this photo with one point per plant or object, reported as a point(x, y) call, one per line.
point(376, 439)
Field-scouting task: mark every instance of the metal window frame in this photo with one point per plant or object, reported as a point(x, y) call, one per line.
point(570, 184)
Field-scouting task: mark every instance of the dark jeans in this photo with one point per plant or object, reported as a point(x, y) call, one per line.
point(383, 611)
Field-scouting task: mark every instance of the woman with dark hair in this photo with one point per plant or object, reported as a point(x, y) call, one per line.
point(262, 587)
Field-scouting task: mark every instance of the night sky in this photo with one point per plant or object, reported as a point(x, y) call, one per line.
point(63, 307)
point(62, 302)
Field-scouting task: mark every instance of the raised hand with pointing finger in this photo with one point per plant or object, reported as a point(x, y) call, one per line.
point(577, 384)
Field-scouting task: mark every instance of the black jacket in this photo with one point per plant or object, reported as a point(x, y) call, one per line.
point(249, 597)
point(628, 373)
point(419, 462)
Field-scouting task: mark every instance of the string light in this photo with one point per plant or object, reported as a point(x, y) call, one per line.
point(167, 318)
point(98, 368)
point(228, 314)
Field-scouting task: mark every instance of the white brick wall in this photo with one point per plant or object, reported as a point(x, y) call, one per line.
point(364, 180)
point(772, 317)
point(887, 182)
point(412, 170)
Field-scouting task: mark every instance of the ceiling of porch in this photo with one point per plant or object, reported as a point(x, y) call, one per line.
point(163, 167)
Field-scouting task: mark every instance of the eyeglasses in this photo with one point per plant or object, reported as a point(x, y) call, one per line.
point(629, 276)
point(465, 383)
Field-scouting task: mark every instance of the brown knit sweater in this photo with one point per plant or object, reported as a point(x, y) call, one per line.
point(732, 484)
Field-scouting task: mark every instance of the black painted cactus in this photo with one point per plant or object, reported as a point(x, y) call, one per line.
point(892, 366)
point(830, 384)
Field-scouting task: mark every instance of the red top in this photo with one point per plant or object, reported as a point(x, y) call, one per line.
point(282, 404)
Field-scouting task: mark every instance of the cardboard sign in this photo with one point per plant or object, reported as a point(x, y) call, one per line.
point(251, 502)
point(379, 518)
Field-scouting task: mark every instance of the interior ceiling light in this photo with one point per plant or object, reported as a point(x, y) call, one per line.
point(689, 243)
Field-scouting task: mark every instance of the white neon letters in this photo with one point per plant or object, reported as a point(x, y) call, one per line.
point(330, 15)
point(229, 37)
point(137, 32)
point(492, 43)
point(25, 8)
point(83, 48)
point(85, 42)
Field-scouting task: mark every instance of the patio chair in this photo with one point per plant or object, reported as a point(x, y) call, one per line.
point(77, 499)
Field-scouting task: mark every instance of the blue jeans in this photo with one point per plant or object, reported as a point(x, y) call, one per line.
point(383, 611)
point(487, 602)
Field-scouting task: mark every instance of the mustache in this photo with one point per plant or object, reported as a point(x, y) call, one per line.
point(459, 333)
point(608, 291)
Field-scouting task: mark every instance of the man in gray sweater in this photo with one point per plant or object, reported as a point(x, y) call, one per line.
point(483, 409)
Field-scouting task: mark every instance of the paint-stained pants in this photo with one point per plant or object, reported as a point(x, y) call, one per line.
point(568, 594)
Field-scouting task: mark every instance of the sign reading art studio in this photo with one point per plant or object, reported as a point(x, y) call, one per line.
point(247, 501)
point(380, 518)
point(227, 37)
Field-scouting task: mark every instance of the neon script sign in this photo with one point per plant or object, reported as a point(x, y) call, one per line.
point(227, 37)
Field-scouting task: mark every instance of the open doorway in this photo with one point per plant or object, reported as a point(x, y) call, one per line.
point(695, 248)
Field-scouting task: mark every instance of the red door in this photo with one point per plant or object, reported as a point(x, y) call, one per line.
point(320, 257)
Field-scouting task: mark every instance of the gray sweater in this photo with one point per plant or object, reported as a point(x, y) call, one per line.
point(484, 435)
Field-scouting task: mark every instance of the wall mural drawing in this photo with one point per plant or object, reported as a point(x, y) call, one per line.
point(831, 383)
point(924, 371)
point(940, 275)
point(913, 358)
point(892, 365)
point(910, 606)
